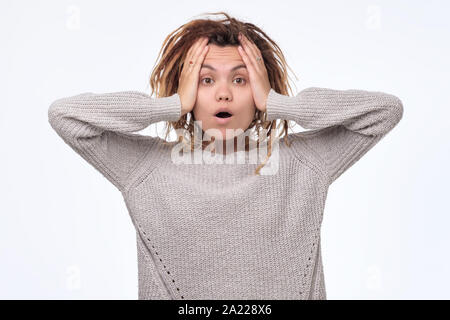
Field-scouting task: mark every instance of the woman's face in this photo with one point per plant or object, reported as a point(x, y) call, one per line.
point(224, 84)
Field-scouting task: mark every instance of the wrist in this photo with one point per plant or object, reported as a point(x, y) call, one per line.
point(183, 111)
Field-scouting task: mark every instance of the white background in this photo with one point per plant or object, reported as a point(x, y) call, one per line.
point(65, 232)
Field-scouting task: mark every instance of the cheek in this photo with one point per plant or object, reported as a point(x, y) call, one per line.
point(250, 102)
point(247, 112)
point(251, 113)
point(201, 110)
point(200, 104)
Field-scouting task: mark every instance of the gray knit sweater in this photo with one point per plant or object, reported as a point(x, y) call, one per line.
point(217, 231)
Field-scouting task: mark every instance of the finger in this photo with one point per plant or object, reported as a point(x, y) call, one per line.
point(197, 50)
point(200, 50)
point(246, 59)
point(194, 46)
point(249, 53)
point(252, 47)
point(200, 58)
point(254, 53)
point(191, 49)
point(195, 65)
point(255, 48)
point(186, 64)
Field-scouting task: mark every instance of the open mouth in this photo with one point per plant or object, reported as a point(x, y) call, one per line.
point(223, 115)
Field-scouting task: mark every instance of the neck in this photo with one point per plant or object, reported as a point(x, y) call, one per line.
point(214, 146)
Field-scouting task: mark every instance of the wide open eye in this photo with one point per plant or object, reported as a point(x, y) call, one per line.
point(242, 80)
point(205, 79)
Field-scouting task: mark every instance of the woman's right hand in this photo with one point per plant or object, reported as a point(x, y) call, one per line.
point(188, 82)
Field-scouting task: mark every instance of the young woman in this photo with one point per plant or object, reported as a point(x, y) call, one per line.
point(230, 229)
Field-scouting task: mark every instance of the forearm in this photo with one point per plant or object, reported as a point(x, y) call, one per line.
point(365, 112)
point(88, 114)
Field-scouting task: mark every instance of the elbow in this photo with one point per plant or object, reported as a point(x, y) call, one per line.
point(396, 112)
point(393, 112)
point(397, 109)
point(62, 109)
point(389, 112)
point(55, 114)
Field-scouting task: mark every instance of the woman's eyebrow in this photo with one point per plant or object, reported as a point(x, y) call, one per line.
point(232, 69)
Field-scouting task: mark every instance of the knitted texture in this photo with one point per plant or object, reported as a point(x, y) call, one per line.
point(216, 230)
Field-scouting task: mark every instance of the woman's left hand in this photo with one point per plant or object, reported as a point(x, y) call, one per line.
point(259, 80)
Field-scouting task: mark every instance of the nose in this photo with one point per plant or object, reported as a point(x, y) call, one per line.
point(224, 93)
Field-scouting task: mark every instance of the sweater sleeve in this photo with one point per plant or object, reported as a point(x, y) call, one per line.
point(346, 123)
point(100, 126)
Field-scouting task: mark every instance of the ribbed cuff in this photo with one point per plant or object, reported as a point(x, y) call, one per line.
point(166, 108)
point(279, 106)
